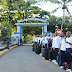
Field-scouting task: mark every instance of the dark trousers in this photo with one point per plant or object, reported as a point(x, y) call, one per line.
point(68, 56)
point(54, 56)
point(63, 57)
point(56, 53)
point(46, 46)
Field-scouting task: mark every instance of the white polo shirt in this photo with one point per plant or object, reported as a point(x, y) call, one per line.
point(63, 44)
point(47, 39)
point(53, 42)
point(36, 39)
point(70, 41)
point(57, 42)
point(43, 40)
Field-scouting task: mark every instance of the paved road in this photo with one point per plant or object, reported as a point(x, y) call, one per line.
point(22, 59)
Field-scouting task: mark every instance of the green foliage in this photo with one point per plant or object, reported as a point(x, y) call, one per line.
point(20, 9)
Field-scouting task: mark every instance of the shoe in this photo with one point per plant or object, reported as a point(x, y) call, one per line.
point(41, 54)
point(68, 70)
point(61, 67)
point(49, 59)
point(55, 63)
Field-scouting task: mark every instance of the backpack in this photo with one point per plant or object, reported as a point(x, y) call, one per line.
point(65, 65)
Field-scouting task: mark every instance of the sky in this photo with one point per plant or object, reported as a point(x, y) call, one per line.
point(48, 6)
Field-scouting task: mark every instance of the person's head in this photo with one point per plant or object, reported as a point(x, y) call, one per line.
point(52, 34)
point(63, 34)
point(49, 35)
point(33, 34)
point(41, 36)
point(68, 34)
point(45, 34)
point(56, 33)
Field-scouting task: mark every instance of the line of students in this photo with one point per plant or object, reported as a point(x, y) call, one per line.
point(61, 45)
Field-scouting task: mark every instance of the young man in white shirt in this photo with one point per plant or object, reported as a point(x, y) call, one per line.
point(43, 41)
point(33, 38)
point(53, 44)
point(57, 45)
point(68, 48)
point(63, 49)
point(47, 40)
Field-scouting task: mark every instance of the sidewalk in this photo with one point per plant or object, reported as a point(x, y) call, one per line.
point(6, 50)
point(2, 46)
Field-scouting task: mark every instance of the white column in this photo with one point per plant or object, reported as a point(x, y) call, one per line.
point(18, 28)
point(44, 29)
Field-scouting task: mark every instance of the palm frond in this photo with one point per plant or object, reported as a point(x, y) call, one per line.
point(55, 1)
point(55, 9)
point(69, 1)
point(68, 10)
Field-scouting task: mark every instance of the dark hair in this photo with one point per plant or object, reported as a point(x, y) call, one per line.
point(69, 32)
point(64, 33)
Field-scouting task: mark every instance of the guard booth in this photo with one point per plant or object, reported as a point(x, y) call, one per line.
point(21, 23)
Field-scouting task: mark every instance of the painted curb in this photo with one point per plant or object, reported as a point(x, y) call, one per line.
point(5, 51)
point(44, 58)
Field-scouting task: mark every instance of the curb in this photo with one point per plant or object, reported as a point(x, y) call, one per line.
point(5, 51)
point(44, 58)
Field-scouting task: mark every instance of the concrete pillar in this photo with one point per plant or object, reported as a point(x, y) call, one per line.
point(44, 29)
point(19, 31)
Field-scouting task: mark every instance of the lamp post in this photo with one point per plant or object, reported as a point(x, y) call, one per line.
point(63, 20)
point(56, 27)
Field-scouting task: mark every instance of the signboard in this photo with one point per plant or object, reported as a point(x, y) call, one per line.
point(59, 31)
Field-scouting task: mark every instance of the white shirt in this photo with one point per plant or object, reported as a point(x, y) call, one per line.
point(53, 42)
point(36, 39)
point(47, 39)
point(57, 42)
point(63, 44)
point(43, 40)
point(70, 41)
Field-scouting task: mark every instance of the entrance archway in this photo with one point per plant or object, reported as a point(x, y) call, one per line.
point(21, 23)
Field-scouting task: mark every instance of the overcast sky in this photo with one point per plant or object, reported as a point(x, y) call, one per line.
point(50, 6)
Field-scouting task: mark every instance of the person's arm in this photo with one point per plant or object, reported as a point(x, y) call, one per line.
point(54, 48)
point(69, 43)
point(49, 41)
point(59, 48)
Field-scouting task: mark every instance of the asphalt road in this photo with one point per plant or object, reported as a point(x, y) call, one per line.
point(22, 59)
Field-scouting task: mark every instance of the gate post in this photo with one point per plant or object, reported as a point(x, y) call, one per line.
point(44, 29)
point(19, 30)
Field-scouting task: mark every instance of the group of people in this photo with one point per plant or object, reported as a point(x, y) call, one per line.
point(60, 44)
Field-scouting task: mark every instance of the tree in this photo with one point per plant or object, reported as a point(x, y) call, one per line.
point(62, 4)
